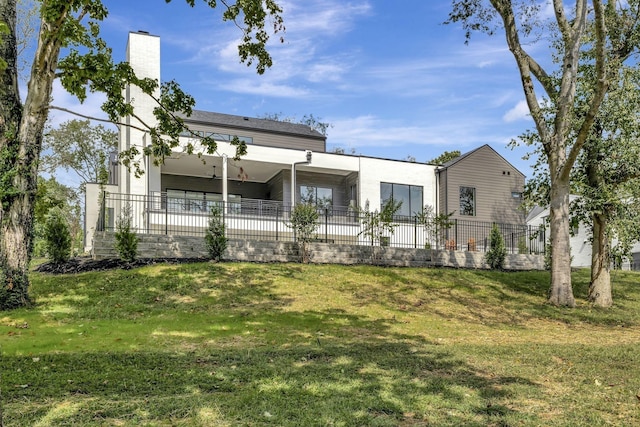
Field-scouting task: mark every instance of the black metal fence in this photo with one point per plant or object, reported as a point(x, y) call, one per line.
point(270, 220)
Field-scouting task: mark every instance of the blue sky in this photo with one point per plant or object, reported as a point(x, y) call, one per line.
point(389, 76)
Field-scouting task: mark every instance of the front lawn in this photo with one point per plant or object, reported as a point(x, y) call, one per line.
point(307, 345)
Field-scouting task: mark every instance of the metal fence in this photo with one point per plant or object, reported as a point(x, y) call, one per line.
point(270, 220)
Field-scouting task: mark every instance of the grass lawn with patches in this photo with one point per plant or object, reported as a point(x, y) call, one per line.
point(308, 345)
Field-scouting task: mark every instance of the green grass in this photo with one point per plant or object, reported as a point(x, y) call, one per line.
point(306, 345)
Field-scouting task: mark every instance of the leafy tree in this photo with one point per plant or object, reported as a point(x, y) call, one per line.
point(304, 222)
point(57, 236)
point(126, 238)
point(445, 157)
point(86, 65)
point(377, 224)
point(565, 128)
point(215, 238)
point(434, 224)
point(53, 195)
point(606, 175)
point(78, 146)
point(497, 252)
point(310, 120)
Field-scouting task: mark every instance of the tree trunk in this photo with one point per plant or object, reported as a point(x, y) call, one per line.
point(561, 292)
point(20, 145)
point(600, 285)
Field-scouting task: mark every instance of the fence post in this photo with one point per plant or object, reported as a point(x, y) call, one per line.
point(512, 248)
point(326, 225)
point(455, 232)
point(415, 232)
point(277, 220)
point(166, 214)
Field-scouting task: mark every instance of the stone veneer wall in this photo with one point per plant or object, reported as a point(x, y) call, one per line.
point(163, 246)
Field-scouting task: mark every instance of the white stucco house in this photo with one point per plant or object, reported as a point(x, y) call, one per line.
point(285, 164)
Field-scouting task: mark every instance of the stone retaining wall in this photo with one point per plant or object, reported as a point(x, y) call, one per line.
point(166, 246)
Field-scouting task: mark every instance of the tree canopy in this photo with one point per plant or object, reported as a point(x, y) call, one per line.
point(566, 125)
point(87, 66)
point(79, 147)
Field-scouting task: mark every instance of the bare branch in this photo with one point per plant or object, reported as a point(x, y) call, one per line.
point(97, 119)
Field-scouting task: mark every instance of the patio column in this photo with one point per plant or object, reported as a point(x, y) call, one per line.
point(225, 187)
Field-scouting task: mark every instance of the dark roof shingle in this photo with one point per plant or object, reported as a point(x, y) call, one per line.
point(251, 123)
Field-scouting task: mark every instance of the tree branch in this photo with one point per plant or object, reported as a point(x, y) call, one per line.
point(84, 116)
point(601, 88)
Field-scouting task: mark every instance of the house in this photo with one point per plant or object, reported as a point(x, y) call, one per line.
point(481, 186)
point(285, 164)
point(580, 240)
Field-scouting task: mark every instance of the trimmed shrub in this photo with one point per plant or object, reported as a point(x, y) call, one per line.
point(57, 236)
point(497, 251)
point(215, 237)
point(126, 239)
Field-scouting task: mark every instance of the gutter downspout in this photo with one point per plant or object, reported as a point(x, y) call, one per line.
point(293, 177)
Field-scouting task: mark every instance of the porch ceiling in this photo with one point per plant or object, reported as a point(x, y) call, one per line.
point(191, 165)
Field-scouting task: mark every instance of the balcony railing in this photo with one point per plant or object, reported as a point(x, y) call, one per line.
point(269, 220)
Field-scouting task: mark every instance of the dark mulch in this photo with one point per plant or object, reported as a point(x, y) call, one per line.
point(84, 264)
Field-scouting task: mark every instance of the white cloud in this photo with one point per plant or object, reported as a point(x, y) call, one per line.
point(519, 112)
point(372, 131)
point(263, 88)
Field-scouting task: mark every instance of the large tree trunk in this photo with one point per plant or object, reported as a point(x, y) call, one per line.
point(13, 281)
point(600, 286)
point(561, 292)
point(21, 145)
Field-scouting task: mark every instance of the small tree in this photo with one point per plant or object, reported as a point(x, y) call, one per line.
point(433, 223)
point(377, 225)
point(304, 222)
point(126, 239)
point(215, 237)
point(57, 236)
point(497, 251)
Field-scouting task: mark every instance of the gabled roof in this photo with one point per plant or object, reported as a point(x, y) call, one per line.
point(251, 123)
point(469, 153)
point(534, 212)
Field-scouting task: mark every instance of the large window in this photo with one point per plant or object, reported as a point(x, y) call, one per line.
point(468, 201)
point(318, 196)
point(410, 197)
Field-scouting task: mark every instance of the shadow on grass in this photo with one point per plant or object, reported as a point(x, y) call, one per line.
point(317, 367)
point(521, 296)
point(376, 382)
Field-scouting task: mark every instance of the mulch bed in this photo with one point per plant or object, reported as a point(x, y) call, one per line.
point(84, 264)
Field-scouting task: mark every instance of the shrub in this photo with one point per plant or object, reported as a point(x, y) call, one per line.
point(57, 236)
point(126, 239)
point(304, 221)
point(497, 251)
point(215, 238)
point(522, 246)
